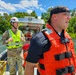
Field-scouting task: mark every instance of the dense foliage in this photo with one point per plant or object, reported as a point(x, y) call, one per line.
point(5, 24)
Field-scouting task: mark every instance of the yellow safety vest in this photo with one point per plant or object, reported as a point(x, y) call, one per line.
point(16, 43)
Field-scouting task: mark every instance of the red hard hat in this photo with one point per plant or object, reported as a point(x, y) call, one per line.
point(25, 46)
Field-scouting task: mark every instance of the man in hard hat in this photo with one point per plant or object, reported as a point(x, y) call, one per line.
point(14, 39)
point(53, 48)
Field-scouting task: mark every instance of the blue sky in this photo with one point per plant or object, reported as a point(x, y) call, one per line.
point(39, 6)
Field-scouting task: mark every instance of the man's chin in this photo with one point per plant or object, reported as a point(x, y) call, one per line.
point(65, 28)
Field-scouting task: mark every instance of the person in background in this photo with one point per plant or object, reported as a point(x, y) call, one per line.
point(53, 48)
point(13, 38)
point(28, 35)
point(25, 52)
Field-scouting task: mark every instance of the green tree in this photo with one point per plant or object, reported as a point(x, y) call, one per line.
point(26, 14)
point(34, 14)
point(72, 25)
point(73, 12)
point(46, 15)
point(18, 14)
point(4, 25)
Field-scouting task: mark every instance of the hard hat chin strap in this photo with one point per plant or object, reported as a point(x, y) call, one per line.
point(13, 25)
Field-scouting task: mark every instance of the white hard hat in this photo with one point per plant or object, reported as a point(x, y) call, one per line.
point(14, 19)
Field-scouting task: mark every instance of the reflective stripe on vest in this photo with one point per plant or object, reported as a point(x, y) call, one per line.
point(55, 60)
point(16, 39)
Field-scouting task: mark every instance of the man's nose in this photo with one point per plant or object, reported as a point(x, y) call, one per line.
point(69, 17)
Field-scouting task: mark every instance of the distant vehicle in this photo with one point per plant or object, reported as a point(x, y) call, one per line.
point(30, 26)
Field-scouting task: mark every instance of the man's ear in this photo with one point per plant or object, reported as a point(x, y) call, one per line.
point(54, 16)
point(11, 23)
